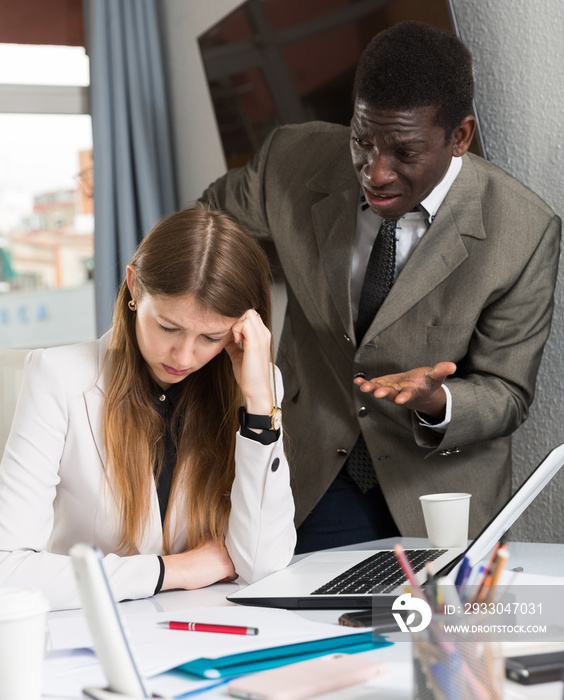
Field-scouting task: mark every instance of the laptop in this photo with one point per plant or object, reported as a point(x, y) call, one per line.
point(354, 579)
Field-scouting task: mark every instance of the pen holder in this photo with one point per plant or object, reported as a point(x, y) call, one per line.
point(449, 663)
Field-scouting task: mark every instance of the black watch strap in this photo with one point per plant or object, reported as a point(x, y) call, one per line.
point(250, 420)
point(260, 422)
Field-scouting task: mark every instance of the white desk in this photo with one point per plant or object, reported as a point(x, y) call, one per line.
point(397, 684)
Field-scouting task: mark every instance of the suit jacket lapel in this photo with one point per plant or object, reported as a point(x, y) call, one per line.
point(334, 222)
point(94, 399)
point(439, 253)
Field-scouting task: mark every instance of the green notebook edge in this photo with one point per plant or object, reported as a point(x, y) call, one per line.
point(271, 657)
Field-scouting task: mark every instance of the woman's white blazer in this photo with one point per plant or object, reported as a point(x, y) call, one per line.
point(54, 491)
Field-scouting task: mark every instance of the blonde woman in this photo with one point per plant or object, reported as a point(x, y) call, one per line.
point(161, 442)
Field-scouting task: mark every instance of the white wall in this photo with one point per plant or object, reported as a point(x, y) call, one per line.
point(519, 64)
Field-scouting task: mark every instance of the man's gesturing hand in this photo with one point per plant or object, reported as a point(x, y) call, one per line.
point(418, 389)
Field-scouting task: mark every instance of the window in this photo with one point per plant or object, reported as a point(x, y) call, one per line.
point(46, 206)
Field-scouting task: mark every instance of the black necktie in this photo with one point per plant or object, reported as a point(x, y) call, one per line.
point(378, 278)
point(378, 281)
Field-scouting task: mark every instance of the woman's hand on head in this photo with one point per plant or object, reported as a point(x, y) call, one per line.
point(250, 354)
point(206, 564)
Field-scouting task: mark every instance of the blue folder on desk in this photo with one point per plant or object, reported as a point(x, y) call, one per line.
point(262, 659)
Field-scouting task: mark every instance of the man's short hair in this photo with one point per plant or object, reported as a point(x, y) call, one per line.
point(413, 65)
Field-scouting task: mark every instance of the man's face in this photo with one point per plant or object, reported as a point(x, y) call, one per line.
point(399, 156)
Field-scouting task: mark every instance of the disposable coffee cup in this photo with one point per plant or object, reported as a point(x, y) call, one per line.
point(446, 518)
point(22, 643)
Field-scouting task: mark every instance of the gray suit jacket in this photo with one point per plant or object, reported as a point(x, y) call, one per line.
point(477, 290)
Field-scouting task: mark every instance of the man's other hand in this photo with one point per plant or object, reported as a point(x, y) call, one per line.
point(418, 389)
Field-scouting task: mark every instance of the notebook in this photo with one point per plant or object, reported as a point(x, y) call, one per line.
point(362, 579)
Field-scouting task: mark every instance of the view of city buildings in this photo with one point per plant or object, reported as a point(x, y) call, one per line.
point(47, 266)
point(54, 246)
point(46, 204)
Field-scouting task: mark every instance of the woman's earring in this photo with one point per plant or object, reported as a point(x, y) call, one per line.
point(132, 305)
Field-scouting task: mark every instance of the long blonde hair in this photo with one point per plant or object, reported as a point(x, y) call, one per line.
point(208, 255)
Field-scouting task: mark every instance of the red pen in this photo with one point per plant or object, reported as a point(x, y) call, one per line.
point(406, 565)
point(205, 627)
point(408, 571)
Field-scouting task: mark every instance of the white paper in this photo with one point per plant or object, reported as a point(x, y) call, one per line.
point(65, 673)
point(157, 650)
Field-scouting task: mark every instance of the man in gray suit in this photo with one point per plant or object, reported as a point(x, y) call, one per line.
point(472, 271)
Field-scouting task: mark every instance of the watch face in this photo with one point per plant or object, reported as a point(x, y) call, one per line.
point(276, 419)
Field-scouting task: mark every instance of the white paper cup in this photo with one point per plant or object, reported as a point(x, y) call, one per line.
point(22, 643)
point(446, 518)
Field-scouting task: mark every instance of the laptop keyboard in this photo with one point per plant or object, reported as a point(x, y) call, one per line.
point(379, 573)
